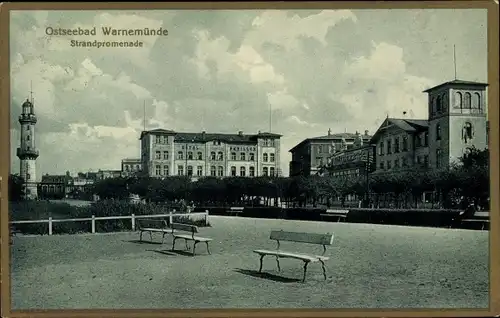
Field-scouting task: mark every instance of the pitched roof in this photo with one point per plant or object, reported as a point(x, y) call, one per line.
point(55, 178)
point(331, 137)
point(457, 82)
point(408, 125)
point(206, 137)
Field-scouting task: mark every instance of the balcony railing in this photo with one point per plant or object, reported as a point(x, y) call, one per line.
point(27, 152)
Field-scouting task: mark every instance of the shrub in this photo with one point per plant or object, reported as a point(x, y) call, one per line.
point(422, 217)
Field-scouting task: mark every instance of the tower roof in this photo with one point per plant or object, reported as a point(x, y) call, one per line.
point(457, 82)
point(27, 103)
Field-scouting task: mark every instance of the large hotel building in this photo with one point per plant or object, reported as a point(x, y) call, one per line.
point(169, 153)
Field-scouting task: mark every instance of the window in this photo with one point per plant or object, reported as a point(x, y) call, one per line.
point(467, 101)
point(396, 145)
point(388, 147)
point(458, 100)
point(233, 171)
point(243, 171)
point(467, 132)
point(180, 155)
point(381, 149)
point(199, 155)
point(127, 168)
point(165, 155)
point(438, 132)
point(190, 171)
point(180, 170)
point(438, 158)
point(426, 139)
point(476, 101)
point(265, 157)
point(396, 163)
point(439, 104)
point(271, 171)
point(166, 171)
point(220, 171)
point(212, 171)
point(158, 170)
point(158, 155)
point(405, 143)
point(388, 165)
point(419, 160)
point(27, 128)
point(265, 172)
point(199, 171)
point(212, 155)
point(28, 176)
point(137, 167)
point(233, 155)
point(252, 156)
point(271, 157)
point(404, 162)
point(157, 139)
point(426, 161)
point(220, 156)
point(251, 171)
point(320, 149)
point(242, 156)
point(190, 156)
point(381, 165)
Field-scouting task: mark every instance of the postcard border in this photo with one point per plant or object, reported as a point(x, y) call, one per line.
point(493, 98)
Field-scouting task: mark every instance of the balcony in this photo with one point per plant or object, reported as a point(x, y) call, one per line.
point(27, 153)
point(27, 118)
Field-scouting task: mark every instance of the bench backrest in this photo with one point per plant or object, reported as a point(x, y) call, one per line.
point(153, 223)
point(301, 237)
point(185, 227)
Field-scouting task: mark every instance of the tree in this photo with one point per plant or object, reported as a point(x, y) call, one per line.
point(16, 188)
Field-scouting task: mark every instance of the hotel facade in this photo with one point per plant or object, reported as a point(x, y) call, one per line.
point(168, 153)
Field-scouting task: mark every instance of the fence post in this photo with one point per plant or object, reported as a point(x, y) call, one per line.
point(206, 217)
point(170, 218)
point(50, 225)
point(133, 222)
point(93, 224)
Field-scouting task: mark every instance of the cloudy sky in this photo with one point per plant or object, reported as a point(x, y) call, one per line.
point(221, 71)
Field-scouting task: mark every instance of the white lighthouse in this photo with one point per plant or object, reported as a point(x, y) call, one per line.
point(27, 152)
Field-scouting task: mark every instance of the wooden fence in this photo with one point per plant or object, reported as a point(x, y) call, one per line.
point(93, 219)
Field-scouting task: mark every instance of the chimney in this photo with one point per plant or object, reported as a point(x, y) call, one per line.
point(240, 133)
point(329, 132)
point(366, 132)
point(259, 132)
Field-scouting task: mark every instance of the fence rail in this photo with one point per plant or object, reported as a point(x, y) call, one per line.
point(93, 219)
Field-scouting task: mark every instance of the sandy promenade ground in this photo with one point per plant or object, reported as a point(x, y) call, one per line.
point(371, 266)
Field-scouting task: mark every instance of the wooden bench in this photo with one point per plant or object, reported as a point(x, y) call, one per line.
point(299, 237)
point(480, 217)
point(188, 237)
point(338, 214)
point(157, 226)
point(235, 211)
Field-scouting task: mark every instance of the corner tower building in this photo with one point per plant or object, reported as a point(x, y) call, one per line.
point(27, 152)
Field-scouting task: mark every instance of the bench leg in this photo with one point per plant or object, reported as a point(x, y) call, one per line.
point(163, 238)
point(151, 236)
point(194, 246)
point(173, 243)
point(208, 250)
point(305, 270)
point(140, 237)
point(261, 259)
point(278, 263)
point(323, 267)
point(186, 244)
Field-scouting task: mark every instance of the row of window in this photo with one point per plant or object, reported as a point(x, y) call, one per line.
point(403, 163)
point(214, 171)
point(462, 101)
point(351, 173)
point(132, 167)
point(213, 156)
point(399, 145)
